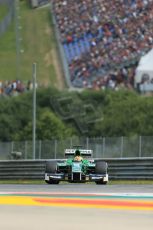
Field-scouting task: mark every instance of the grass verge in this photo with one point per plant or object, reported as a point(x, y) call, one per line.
point(36, 43)
point(3, 11)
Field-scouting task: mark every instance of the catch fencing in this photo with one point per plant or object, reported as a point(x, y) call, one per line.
point(103, 147)
point(5, 22)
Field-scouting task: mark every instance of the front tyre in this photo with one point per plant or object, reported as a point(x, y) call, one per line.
point(51, 168)
point(101, 182)
point(52, 181)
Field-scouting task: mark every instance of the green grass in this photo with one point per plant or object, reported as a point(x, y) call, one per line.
point(3, 11)
point(37, 44)
point(22, 182)
point(130, 182)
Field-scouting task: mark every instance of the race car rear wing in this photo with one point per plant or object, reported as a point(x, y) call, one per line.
point(83, 152)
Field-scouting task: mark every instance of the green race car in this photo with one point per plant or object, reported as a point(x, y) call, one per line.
point(77, 167)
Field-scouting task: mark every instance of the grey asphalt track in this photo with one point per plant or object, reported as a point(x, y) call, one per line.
point(48, 218)
point(80, 188)
point(66, 218)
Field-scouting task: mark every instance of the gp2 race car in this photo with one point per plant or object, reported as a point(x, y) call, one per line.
point(78, 167)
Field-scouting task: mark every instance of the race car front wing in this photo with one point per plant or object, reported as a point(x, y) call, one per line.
point(72, 176)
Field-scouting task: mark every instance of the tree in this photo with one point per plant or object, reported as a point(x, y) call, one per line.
point(48, 126)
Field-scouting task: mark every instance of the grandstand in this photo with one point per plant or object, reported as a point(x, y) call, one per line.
point(104, 42)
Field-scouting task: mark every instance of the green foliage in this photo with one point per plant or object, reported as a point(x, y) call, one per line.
point(14, 114)
point(120, 113)
point(50, 126)
point(126, 114)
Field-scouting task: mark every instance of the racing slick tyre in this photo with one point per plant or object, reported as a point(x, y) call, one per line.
point(52, 181)
point(101, 168)
point(51, 167)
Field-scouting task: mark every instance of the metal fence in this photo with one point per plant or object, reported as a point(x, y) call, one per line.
point(103, 147)
point(8, 18)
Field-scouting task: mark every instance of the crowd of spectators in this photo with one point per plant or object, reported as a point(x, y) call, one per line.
point(119, 33)
point(14, 88)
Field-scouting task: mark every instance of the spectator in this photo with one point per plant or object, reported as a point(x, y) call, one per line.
point(13, 88)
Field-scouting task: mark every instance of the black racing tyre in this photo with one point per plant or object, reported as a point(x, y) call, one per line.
point(101, 167)
point(52, 181)
point(51, 167)
point(101, 182)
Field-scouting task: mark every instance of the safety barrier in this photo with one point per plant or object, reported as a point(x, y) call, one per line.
point(18, 169)
point(131, 169)
point(118, 169)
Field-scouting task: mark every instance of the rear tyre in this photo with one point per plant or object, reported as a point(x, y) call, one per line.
point(51, 167)
point(101, 168)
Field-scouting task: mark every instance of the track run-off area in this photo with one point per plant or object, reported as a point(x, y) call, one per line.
point(82, 205)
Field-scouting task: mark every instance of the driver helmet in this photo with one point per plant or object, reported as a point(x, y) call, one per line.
point(77, 153)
